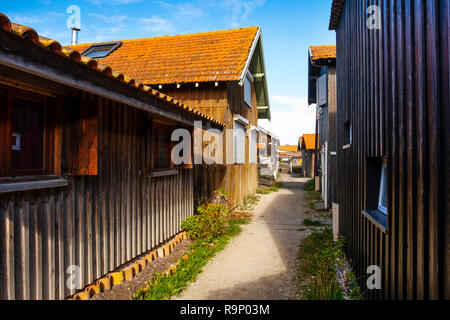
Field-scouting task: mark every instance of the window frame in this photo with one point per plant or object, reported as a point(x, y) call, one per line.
point(382, 189)
point(155, 128)
point(239, 159)
point(376, 183)
point(248, 89)
point(111, 47)
point(253, 146)
point(51, 158)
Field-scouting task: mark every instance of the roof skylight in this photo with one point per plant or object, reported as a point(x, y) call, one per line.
point(100, 51)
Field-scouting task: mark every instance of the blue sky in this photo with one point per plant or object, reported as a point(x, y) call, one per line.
point(288, 27)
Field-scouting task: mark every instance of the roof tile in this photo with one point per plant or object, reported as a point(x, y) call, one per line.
point(201, 57)
point(323, 52)
point(310, 141)
point(54, 46)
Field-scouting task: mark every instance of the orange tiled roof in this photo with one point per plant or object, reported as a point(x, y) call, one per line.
point(289, 148)
point(309, 141)
point(323, 52)
point(54, 46)
point(202, 57)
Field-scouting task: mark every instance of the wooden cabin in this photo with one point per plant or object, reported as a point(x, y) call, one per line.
point(268, 160)
point(86, 177)
point(308, 148)
point(220, 73)
point(394, 178)
point(322, 93)
point(290, 158)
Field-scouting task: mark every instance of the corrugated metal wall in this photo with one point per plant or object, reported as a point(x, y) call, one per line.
point(393, 84)
point(97, 223)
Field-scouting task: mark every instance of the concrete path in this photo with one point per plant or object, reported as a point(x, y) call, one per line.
point(260, 263)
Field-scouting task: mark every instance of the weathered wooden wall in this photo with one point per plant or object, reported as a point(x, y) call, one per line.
point(308, 157)
point(97, 223)
point(393, 84)
point(221, 102)
point(332, 138)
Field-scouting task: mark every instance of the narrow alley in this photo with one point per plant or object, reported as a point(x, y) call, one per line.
point(260, 263)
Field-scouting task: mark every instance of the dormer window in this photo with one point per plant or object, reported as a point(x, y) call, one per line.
point(100, 51)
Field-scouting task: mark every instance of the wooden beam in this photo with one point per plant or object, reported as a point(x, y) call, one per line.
point(23, 86)
point(19, 62)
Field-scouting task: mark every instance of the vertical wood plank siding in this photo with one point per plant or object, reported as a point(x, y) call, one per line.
point(97, 223)
point(222, 103)
point(393, 85)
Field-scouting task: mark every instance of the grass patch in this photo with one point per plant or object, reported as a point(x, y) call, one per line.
point(309, 186)
point(319, 257)
point(163, 287)
point(312, 197)
point(249, 202)
point(313, 223)
point(275, 188)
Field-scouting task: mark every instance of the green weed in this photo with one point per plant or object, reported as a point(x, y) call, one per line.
point(275, 188)
point(163, 287)
point(312, 223)
point(319, 256)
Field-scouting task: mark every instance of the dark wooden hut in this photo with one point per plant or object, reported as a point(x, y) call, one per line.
point(220, 73)
point(322, 93)
point(393, 182)
point(86, 176)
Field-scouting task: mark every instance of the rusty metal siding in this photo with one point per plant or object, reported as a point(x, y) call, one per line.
point(393, 84)
point(97, 223)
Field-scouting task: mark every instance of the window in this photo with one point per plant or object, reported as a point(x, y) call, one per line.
point(382, 198)
point(265, 149)
point(376, 202)
point(248, 82)
point(161, 147)
point(348, 135)
point(27, 138)
point(269, 146)
point(27, 128)
point(253, 146)
point(99, 51)
point(239, 143)
point(322, 90)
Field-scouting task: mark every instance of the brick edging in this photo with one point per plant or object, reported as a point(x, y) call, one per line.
point(129, 273)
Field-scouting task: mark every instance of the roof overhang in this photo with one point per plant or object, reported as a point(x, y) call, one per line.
point(256, 63)
point(268, 133)
point(336, 11)
point(25, 56)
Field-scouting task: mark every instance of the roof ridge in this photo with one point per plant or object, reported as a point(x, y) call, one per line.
point(323, 45)
point(167, 36)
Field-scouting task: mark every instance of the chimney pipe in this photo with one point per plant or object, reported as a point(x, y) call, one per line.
point(75, 35)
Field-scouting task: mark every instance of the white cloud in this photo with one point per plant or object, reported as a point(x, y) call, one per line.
point(27, 20)
point(291, 118)
point(156, 25)
point(116, 19)
point(183, 10)
point(95, 33)
point(114, 2)
point(240, 10)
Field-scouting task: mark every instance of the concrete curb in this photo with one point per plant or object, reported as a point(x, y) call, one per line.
point(129, 273)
